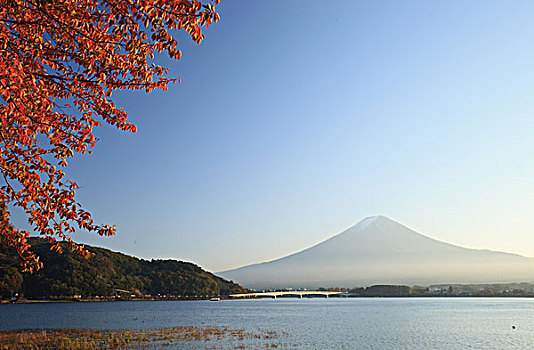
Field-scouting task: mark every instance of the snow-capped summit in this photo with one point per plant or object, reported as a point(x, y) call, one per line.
point(378, 250)
point(368, 221)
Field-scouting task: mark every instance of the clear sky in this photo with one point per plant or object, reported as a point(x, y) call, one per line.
point(297, 119)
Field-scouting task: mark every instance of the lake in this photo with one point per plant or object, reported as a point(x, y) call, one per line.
point(315, 323)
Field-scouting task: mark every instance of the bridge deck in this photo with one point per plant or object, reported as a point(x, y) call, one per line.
point(299, 293)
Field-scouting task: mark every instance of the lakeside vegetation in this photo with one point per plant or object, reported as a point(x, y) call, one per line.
point(105, 274)
point(175, 337)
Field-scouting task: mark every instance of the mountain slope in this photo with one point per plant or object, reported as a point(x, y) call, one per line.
point(69, 274)
point(380, 250)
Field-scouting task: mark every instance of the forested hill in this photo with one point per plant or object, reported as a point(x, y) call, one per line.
point(68, 274)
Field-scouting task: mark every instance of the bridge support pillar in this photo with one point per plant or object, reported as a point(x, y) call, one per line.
point(300, 296)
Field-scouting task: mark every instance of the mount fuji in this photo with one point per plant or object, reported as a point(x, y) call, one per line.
point(379, 250)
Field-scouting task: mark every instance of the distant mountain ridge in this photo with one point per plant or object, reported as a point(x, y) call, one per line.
point(379, 250)
point(68, 274)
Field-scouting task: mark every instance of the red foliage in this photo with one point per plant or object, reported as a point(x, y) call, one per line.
point(60, 61)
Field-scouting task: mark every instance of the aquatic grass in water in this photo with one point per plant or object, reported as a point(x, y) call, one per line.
point(83, 339)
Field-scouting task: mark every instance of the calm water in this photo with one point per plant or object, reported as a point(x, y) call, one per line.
point(335, 323)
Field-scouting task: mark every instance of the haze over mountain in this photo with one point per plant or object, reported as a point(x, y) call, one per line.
point(379, 250)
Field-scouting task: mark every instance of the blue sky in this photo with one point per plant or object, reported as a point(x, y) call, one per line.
point(295, 120)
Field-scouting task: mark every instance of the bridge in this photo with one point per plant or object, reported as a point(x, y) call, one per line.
point(296, 293)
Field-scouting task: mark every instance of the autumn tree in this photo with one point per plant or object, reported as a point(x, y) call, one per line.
point(60, 61)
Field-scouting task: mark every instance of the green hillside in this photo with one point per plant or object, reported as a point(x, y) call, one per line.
point(68, 274)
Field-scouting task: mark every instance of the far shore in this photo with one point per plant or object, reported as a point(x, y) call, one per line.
point(99, 300)
point(45, 301)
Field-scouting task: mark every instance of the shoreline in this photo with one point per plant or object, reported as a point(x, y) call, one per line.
point(110, 300)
